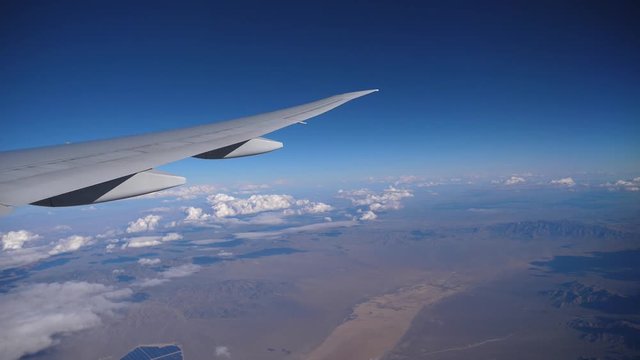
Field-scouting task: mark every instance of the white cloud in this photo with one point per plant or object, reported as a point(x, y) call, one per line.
point(151, 282)
point(22, 256)
point(305, 206)
point(568, 181)
point(195, 214)
point(388, 199)
point(14, 240)
point(144, 241)
point(222, 352)
point(514, 180)
point(149, 261)
point(172, 273)
point(70, 243)
point(146, 223)
point(34, 316)
point(624, 185)
point(368, 215)
point(172, 237)
point(180, 271)
point(225, 205)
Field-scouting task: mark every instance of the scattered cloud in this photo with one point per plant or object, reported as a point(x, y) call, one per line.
point(71, 243)
point(385, 200)
point(34, 316)
point(308, 207)
point(267, 209)
point(14, 240)
point(144, 241)
point(149, 261)
point(224, 205)
point(222, 352)
point(147, 223)
point(180, 271)
point(514, 180)
point(368, 215)
point(568, 181)
point(171, 273)
point(195, 214)
point(624, 185)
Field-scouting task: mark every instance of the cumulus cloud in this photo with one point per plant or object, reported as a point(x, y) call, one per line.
point(222, 352)
point(624, 185)
point(147, 223)
point(387, 199)
point(144, 241)
point(171, 273)
point(14, 240)
point(568, 181)
point(34, 316)
point(72, 243)
point(368, 215)
point(224, 205)
point(149, 261)
point(514, 180)
point(195, 214)
point(227, 206)
point(305, 206)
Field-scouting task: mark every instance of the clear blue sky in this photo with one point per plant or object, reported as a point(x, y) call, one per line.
point(466, 86)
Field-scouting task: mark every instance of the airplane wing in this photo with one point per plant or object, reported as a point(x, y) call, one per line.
point(105, 170)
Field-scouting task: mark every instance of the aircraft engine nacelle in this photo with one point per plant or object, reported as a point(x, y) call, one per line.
point(246, 148)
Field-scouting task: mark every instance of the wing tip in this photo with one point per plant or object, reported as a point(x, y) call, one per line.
point(357, 94)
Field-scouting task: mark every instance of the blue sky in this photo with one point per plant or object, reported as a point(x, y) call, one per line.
point(467, 87)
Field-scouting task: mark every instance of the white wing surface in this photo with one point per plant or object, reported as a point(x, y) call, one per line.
point(105, 170)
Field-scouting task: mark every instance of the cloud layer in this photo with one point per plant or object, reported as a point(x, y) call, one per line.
point(32, 316)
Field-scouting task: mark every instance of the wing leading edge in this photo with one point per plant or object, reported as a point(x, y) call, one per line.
point(65, 175)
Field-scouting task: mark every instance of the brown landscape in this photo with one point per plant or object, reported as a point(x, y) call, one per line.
point(360, 293)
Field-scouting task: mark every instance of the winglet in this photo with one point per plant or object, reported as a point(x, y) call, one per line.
point(357, 94)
